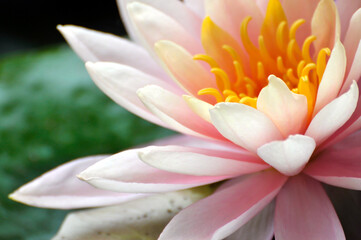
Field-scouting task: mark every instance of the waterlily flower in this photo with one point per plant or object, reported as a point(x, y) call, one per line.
point(267, 94)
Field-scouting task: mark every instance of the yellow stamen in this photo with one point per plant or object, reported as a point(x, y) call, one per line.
point(291, 76)
point(232, 52)
point(211, 91)
point(281, 37)
point(250, 90)
point(300, 66)
point(207, 59)
point(222, 75)
point(247, 43)
point(306, 48)
point(306, 70)
point(295, 26)
point(321, 62)
point(232, 99)
point(280, 65)
point(227, 93)
point(252, 102)
point(291, 52)
point(260, 71)
point(239, 72)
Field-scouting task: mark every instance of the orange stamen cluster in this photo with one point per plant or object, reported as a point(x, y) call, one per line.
point(278, 53)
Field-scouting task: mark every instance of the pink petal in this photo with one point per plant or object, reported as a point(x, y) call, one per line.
point(288, 156)
point(184, 69)
point(339, 110)
point(174, 9)
point(286, 109)
point(196, 6)
point(229, 14)
point(230, 207)
point(293, 13)
point(339, 167)
point(333, 77)
point(61, 189)
point(201, 162)
point(303, 211)
point(173, 110)
point(120, 83)
point(244, 125)
point(346, 9)
point(325, 25)
point(199, 107)
point(124, 172)
point(152, 25)
point(96, 46)
point(259, 227)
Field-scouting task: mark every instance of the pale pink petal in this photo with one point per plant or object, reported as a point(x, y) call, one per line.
point(188, 73)
point(96, 46)
point(288, 156)
point(230, 207)
point(173, 110)
point(174, 9)
point(260, 227)
point(152, 25)
point(333, 77)
point(354, 71)
point(244, 125)
point(333, 115)
point(339, 167)
point(125, 172)
point(346, 9)
point(303, 211)
point(229, 14)
point(199, 107)
point(140, 219)
point(120, 83)
point(201, 162)
point(286, 109)
point(353, 36)
point(325, 25)
point(293, 13)
point(196, 6)
point(61, 189)
point(262, 4)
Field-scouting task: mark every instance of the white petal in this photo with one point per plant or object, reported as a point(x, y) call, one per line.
point(244, 125)
point(333, 77)
point(289, 156)
point(125, 172)
point(61, 189)
point(196, 6)
point(174, 9)
point(152, 25)
point(139, 219)
point(173, 110)
point(120, 82)
point(96, 46)
point(199, 107)
point(333, 115)
point(286, 109)
point(201, 162)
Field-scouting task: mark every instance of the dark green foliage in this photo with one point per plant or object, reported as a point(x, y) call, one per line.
point(50, 113)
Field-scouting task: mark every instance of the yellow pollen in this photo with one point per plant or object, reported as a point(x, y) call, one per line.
point(277, 53)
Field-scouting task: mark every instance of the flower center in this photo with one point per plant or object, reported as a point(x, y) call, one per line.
point(278, 53)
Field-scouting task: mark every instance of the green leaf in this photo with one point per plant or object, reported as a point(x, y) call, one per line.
point(51, 112)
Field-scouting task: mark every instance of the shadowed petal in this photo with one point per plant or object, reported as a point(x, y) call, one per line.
point(139, 219)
